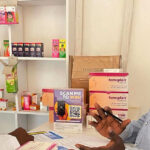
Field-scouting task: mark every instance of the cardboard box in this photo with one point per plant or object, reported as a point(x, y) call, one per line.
point(113, 100)
point(83, 65)
point(108, 82)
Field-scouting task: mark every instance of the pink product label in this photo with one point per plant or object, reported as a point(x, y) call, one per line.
point(55, 53)
point(27, 103)
point(55, 41)
point(2, 17)
point(109, 74)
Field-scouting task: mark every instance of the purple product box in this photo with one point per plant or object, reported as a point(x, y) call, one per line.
point(26, 49)
point(14, 49)
point(32, 50)
point(39, 49)
point(20, 49)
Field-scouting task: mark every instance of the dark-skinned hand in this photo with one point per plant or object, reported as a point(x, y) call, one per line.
point(104, 121)
point(116, 143)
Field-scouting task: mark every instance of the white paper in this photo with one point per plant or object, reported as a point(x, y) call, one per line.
point(37, 146)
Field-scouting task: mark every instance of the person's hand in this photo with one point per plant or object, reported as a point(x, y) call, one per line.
point(104, 121)
point(116, 143)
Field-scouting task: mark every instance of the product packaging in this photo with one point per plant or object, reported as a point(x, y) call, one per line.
point(62, 48)
point(113, 100)
point(55, 48)
point(8, 15)
point(48, 100)
point(118, 102)
point(12, 81)
point(26, 102)
point(2, 15)
point(3, 104)
point(32, 50)
point(116, 82)
point(1, 93)
point(6, 48)
point(34, 107)
point(26, 47)
point(39, 49)
point(14, 49)
point(20, 49)
point(69, 110)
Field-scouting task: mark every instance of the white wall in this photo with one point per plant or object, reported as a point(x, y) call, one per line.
point(139, 56)
point(102, 27)
point(103, 20)
point(44, 23)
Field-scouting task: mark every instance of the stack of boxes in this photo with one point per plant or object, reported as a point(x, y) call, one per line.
point(109, 89)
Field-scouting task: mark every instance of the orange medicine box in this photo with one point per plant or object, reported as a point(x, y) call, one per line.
point(114, 100)
point(108, 82)
point(48, 100)
point(118, 102)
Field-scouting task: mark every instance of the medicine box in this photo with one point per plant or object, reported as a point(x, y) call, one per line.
point(62, 48)
point(113, 100)
point(55, 48)
point(3, 104)
point(108, 82)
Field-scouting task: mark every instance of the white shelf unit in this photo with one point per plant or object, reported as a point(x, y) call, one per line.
point(39, 21)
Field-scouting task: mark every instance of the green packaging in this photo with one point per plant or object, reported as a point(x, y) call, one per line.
point(62, 48)
point(12, 81)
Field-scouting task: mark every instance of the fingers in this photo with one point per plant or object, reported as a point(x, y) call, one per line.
point(96, 117)
point(108, 109)
point(125, 123)
point(100, 111)
point(82, 147)
point(93, 123)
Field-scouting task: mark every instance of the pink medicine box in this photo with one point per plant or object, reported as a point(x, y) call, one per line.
point(116, 82)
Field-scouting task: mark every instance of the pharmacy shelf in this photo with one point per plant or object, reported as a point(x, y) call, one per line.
point(40, 2)
point(9, 111)
point(30, 112)
point(36, 58)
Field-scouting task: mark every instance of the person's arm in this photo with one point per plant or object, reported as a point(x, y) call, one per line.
point(129, 135)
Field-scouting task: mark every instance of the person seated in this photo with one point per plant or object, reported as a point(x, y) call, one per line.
point(134, 132)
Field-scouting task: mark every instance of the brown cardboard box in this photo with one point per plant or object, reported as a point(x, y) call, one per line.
point(83, 65)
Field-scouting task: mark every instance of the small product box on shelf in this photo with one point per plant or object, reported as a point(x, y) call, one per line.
point(69, 110)
point(12, 81)
point(108, 82)
point(55, 48)
point(1, 93)
point(32, 50)
point(8, 15)
point(62, 48)
point(26, 47)
point(20, 49)
point(26, 102)
point(14, 49)
point(3, 104)
point(2, 15)
point(39, 48)
point(34, 107)
point(6, 48)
